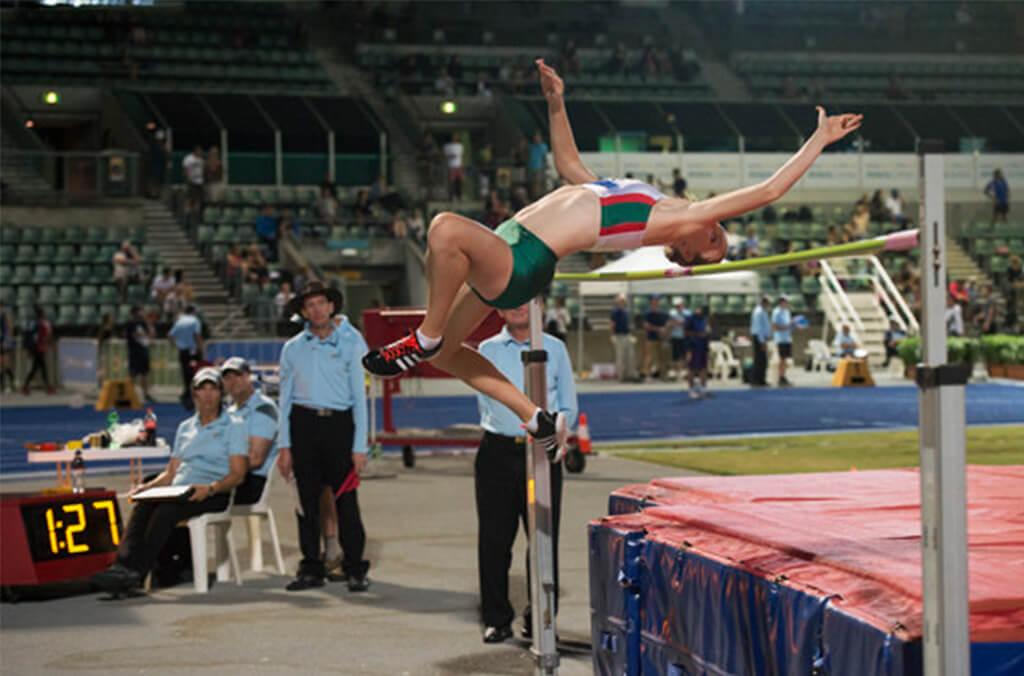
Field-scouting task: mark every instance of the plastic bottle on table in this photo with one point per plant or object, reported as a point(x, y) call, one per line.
point(150, 426)
point(78, 473)
point(112, 422)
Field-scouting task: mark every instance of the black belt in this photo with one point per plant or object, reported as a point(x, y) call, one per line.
point(521, 441)
point(321, 412)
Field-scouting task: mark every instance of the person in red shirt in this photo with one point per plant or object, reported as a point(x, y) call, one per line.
point(958, 289)
point(36, 342)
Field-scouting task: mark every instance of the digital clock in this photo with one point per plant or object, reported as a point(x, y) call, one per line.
point(56, 537)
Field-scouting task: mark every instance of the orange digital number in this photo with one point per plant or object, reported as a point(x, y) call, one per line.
point(111, 514)
point(69, 532)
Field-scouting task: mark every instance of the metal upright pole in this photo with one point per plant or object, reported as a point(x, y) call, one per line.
point(946, 643)
point(538, 503)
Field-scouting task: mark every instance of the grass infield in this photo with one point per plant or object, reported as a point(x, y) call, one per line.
point(1002, 445)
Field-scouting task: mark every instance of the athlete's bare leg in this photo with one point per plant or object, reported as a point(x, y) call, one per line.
point(470, 366)
point(461, 251)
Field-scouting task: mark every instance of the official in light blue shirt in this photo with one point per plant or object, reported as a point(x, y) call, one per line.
point(500, 467)
point(210, 456)
point(760, 334)
point(505, 352)
point(322, 433)
point(259, 412)
point(782, 327)
point(760, 324)
point(187, 336)
point(325, 373)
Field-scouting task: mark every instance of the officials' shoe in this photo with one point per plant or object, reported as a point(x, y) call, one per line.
point(304, 581)
point(335, 573)
point(497, 634)
point(400, 356)
point(358, 583)
point(117, 579)
point(552, 433)
point(784, 383)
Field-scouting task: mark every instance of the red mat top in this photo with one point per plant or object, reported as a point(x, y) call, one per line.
point(855, 535)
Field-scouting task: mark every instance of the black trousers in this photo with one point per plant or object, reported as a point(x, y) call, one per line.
point(500, 478)
point(152, 523)
point(185, 358)
point(758, 377)
point(251, 489)
point(322, 456)
point(38, 366)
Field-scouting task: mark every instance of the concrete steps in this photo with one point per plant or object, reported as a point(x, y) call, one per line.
point(179, 253)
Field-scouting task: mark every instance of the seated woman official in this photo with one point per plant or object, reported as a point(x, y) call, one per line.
point(210, 455)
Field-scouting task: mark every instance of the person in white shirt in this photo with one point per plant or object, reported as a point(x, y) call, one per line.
point(557, 319)
point(846, 344)
point(284, 295)
point(453, 155)
point(162, 285)
point(194, 167)
point(954, 317)
point(894, 204)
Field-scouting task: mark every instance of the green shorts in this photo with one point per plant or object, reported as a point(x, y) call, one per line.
point(533, 266)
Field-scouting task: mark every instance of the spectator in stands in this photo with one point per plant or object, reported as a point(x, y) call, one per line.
point(617, 63)
point(213, 175)
point(769, 215)
point(752, 245)
point(8, 345)
point(678, 183)
point(735, 240)
point(647, 66)
point(258, 271)
point(655, 320)
point(399, 226)
point(182, 295)
point(138, 334)
point(999, 191)
point(327, 205)
point(894, 205)
point(857, 228)
point(664, 61)
point(698, 338)
point(283, 297)
point(267, 229)
point(954, 317)
point(957, 289)
point(845, 344)
point(234, 269)
point(210, 454)
point(677, 336)
point(894, 335)
point(557, 319)
point(444, 85)
point(536, 166)
point(782, 327)
point(36, 339)
point(834, 235)
point(362, 208)
point(193, 168)
point(453, 155)
point(622, 341)
point(186, 334)
point(570, 61)
point(418, 226)
point(985, 316)
point(126, 261)
point(157, 161)
point(162, 285)
point(877, 209)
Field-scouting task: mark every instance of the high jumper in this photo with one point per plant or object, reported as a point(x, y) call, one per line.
point(472, 269)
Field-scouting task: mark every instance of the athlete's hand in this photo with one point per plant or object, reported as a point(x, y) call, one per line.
point(834, 127)
point(550, 83)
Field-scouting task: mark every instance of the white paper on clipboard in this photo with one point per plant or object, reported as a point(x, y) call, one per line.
point(164, 493)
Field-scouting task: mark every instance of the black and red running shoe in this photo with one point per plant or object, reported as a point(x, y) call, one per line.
point(400, 356)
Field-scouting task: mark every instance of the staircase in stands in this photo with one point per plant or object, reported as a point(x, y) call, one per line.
point(225, 315)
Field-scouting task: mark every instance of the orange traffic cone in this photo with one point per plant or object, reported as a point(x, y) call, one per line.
point(583, 435)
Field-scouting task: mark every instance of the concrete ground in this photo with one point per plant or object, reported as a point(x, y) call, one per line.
point(419, 617)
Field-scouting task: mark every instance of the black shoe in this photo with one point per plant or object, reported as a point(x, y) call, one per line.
point(552, 433)
point(527, 632)
point(305, 581)
point(358, 583)
point(117, 579)
point(497, 634)
point(392, 360)
point(784, 383)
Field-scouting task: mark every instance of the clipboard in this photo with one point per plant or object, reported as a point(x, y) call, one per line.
point(164, 494)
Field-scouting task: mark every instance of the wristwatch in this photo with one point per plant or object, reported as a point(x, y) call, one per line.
point(213, 489)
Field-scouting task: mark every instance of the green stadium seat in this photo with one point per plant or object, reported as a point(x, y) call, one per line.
point(797, 304)
point(97, 234)
point(810, 286)
point(767, 284)
point(788, 285)
point(225, 234)
point(8, 252)
point(51, 235)
point(26, 295)
point(30, 235)
point(73, 234)
point(212, 215)
point(7, 295)
point(10, 234)
point(286, 195)
point(250, 293)
point(718, 304)
point(87, 316)
point(6, 274)
point(136, 294)
point(68, 294)
point(124, 313)
point(22, 274)
point(46, 253)
point(67, 316)
point(47, 294)
point(65, 254)
point(26, 253)
point(42, 274)
point(245, 234)
point(108, 294)
point(89, 294)
point(998, 265)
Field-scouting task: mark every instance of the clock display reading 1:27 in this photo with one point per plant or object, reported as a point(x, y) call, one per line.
point(61, 529)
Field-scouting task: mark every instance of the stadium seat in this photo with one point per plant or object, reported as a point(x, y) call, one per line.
point(30, 235)
point(26, 253)
point(6, 274)
point(67, 316)
point(46, 253)
point(65, 254)
point(88, 294)
point(68, 294)
point(108, 294)
point(42, 274)
point(7, 295)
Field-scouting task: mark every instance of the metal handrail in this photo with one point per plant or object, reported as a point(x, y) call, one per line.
point(841, 293)
point(891, 295)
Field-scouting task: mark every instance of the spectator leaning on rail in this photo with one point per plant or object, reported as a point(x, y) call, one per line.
point(210, 456)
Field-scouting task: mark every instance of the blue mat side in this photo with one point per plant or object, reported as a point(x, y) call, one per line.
point(702, 616)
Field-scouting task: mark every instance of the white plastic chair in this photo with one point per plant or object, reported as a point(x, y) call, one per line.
point(223, 544)
point(255, 513)
point(722, 360)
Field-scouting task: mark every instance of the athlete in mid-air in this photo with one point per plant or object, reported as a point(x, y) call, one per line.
point(472, 269)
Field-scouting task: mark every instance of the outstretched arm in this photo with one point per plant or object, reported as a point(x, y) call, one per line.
point(727, 205)
point(567, 157)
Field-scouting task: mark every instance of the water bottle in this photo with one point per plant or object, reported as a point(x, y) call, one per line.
point(150, 426)
point(112, 422)
point(78, 473)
